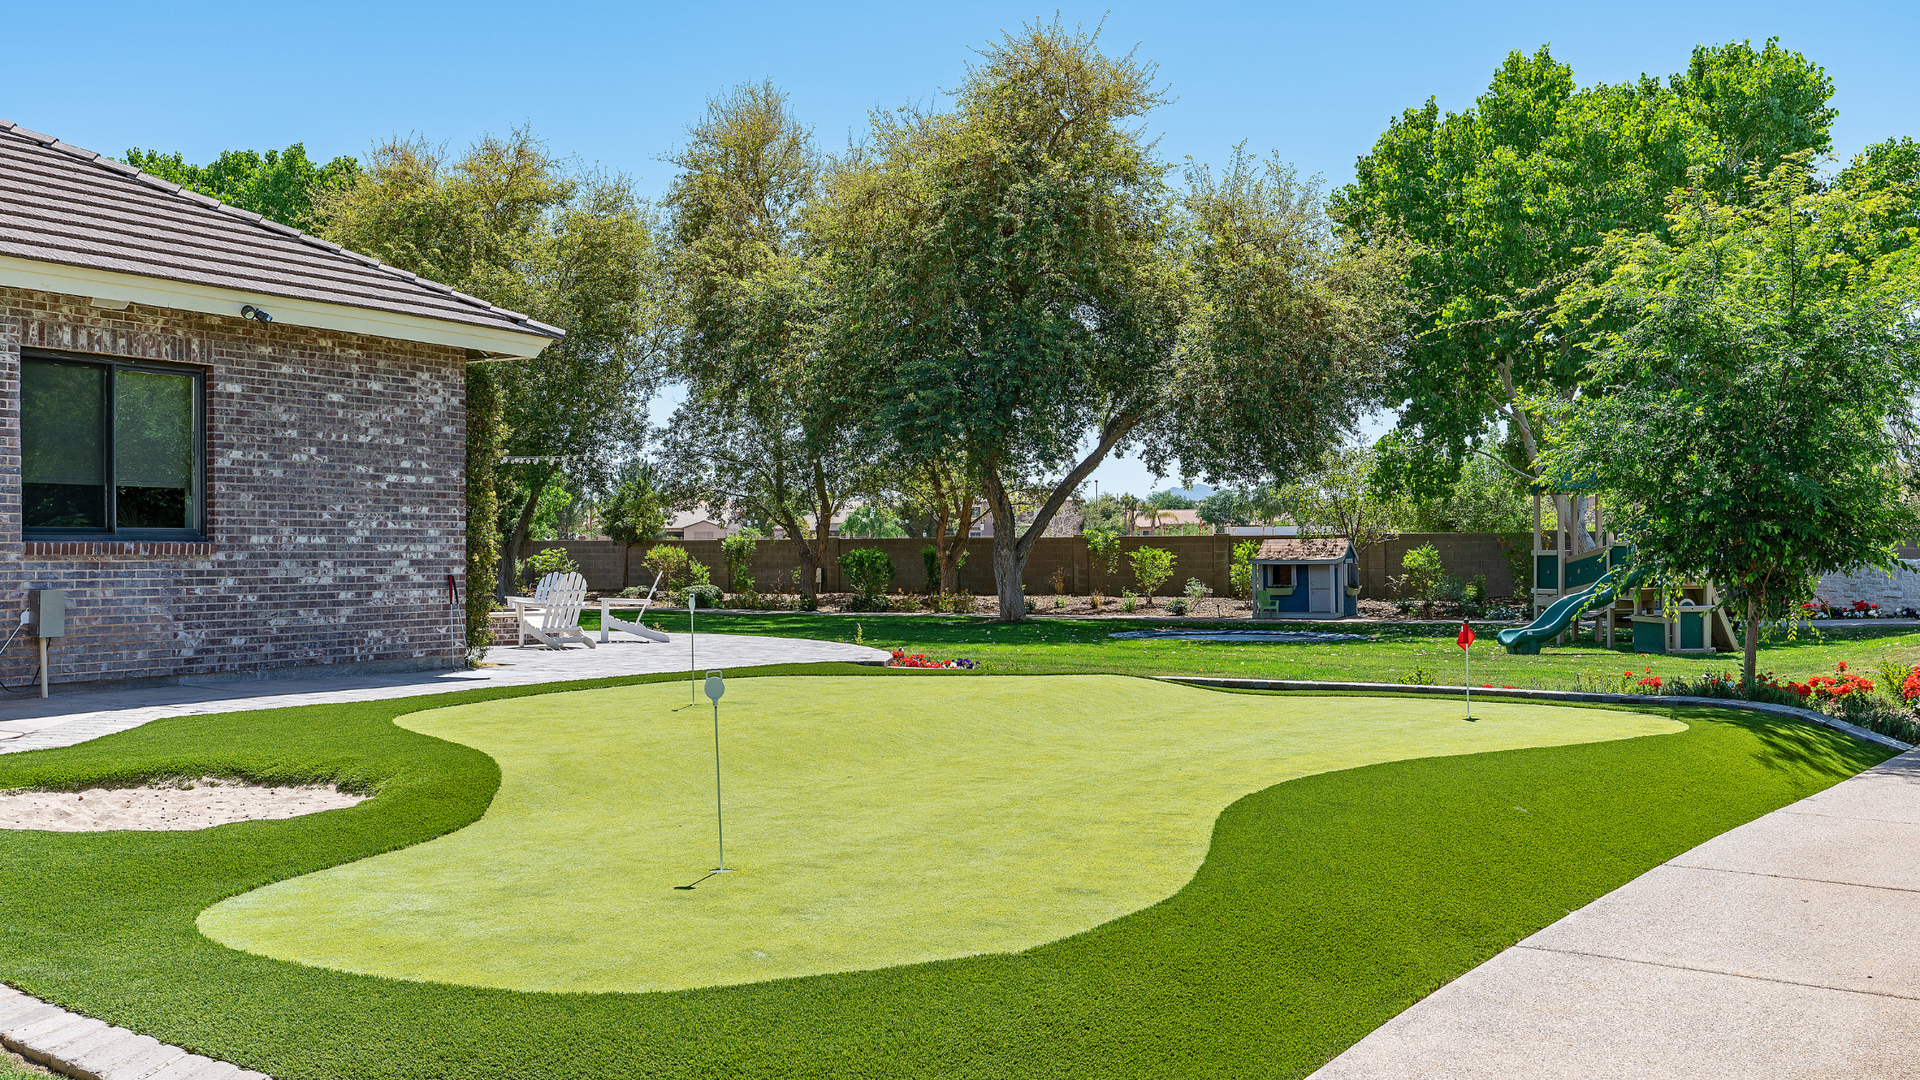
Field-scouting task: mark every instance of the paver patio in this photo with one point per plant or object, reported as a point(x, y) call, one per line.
point(74, 714)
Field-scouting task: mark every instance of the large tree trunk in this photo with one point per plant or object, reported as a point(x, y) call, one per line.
point(950, 552)
point(1010, 549)
point(1009, 565)
point(510, 551)
point(1753, 640)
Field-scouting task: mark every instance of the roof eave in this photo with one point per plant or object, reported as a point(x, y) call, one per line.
point(489, 342)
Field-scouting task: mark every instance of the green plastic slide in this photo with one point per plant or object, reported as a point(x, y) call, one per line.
point(1554, 621)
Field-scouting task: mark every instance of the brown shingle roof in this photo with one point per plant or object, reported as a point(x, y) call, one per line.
point(62, 204)
point(1304, 549)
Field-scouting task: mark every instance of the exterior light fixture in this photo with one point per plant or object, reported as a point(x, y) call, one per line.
point(254, 313)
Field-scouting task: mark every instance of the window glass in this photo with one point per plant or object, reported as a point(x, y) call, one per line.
point(63, 460)
point(153, 450)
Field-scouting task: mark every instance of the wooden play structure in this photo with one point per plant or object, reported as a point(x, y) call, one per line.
point(1578, 553)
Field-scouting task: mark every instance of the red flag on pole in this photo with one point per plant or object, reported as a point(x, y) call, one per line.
point(1466, 635)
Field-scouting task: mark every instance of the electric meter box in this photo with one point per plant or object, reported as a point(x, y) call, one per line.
point(47, 612)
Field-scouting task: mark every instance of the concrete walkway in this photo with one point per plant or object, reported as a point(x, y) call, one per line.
point(74, 714)
point(1782, 949)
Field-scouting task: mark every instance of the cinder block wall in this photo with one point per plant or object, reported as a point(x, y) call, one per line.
point(607, 568)
point(336, 504)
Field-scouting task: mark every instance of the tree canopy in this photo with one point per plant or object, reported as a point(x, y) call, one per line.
point(278, 184)
point(762, 432)
point(509, 223)
point(1019, 281)
point(1753, 373)
point(1507, 200)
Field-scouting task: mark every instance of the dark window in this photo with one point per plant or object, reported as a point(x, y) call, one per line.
point(1280, 577)
point(110, 447)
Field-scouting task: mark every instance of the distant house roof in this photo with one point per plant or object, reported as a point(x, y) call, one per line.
point(1156, 518)
point(74, 222)
point(1304, 549)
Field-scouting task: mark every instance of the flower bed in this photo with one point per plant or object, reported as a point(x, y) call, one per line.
point(902, 658)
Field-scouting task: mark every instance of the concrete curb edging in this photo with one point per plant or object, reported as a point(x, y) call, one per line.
point(1884, 741)
point(74, 1045)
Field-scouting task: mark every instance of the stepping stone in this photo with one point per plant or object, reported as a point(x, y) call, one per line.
point(27, 1016)
point(95, 1064)
point(195, 1067)
point(147, 1061)
point(40, 1045)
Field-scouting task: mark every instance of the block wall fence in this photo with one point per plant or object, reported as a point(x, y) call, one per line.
point(609, 566)
point(335, 468)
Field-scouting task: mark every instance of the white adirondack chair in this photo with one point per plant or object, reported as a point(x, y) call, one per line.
point(552, 613)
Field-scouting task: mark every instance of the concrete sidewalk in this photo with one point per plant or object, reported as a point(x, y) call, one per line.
point(1782, 949)
point(74, 714)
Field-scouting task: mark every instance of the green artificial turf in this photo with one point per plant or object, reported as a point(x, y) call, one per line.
point(1394, 653)
point(1325, 905)
point(1009, 813)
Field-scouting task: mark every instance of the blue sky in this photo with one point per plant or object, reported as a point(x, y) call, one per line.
point(617, 84)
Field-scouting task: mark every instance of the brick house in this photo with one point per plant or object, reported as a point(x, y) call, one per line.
point(236, 447)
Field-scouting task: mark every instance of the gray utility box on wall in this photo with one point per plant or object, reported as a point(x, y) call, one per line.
point(47, 612)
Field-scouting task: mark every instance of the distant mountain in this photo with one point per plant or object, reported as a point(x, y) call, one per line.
point(1197, 492)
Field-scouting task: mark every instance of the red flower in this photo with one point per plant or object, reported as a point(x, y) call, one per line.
point(1842, 666)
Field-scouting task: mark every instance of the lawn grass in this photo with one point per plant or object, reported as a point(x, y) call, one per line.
point(1395, 653)
point(859, 842)
point(1325, 905)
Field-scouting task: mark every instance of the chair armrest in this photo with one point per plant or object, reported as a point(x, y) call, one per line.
point(523, 602)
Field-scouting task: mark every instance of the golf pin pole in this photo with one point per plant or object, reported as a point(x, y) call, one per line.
point(716, 685)
point(693, 698)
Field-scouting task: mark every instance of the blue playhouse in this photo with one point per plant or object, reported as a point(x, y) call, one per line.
point(1316, 577)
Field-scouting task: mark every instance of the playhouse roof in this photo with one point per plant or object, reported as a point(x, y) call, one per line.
point(1304, 549)
point(75, 222)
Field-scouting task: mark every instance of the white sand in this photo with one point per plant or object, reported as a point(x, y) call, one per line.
point(200, 804)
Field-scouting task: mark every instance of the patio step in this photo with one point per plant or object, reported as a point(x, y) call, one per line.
point(79, 1046)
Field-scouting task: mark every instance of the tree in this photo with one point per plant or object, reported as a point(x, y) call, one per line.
point(1103, 546)
point(1506, 202)
point(279, 184)
point(1018, 280)
point(1226, 508)
point(761, 430)
point(1152, 567)
point(873, 521)
point(948, 494)
point(507, 222)
point(1338, 498)
point(1756, 390)
point(635, 513)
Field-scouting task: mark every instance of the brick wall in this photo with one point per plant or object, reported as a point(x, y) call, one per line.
point(1465, 555)
point(335, 506)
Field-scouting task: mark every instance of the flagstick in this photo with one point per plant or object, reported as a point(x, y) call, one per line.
point(1468, 649)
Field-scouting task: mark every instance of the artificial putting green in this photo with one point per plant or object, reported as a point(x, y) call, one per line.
point(872, 823)
point(1325, 905)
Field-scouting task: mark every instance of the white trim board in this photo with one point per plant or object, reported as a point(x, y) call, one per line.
point(89, 283)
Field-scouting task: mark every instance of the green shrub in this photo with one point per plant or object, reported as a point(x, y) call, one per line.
point(1240, 570)
point(738, 552)
point(868, 572)
point(1128, 598)
point(548, 561)
point(700, 584)
point(1177, 606)
point(1424, 580)
point(930, 558)
point(671, 560)
point(1152, 567)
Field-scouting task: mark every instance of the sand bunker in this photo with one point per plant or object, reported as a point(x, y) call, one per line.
point(198, 804)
